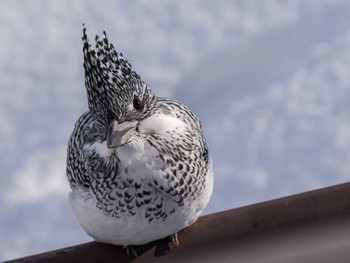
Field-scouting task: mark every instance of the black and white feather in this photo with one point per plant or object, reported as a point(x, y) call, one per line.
point(137, 164)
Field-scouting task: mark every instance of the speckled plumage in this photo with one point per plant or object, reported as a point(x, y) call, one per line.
point(137, 163)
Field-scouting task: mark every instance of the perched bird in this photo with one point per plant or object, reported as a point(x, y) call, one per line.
point(137, 164)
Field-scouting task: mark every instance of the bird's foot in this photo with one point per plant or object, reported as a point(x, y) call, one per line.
point(174, 241)
point(166, 245)
point(130, 251)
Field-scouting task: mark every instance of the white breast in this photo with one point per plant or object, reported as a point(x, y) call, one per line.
point(141, 161)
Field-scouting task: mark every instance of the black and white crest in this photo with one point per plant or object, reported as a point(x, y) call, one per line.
point(109, 80)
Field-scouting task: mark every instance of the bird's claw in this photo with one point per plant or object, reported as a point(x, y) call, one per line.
point(130, 251)
point(174, 241)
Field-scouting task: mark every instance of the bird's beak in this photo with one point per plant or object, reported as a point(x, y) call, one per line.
point(120, 133)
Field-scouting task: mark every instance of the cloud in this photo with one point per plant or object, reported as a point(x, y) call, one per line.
point(41, 176)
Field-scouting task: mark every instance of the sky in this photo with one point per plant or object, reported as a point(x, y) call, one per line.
point(269, 80)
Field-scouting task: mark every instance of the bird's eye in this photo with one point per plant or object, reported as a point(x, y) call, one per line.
point(137, 103)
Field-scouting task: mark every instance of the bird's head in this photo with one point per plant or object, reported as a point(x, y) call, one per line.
point(117, 97)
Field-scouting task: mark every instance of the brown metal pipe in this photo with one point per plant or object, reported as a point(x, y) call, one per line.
point(310, 227)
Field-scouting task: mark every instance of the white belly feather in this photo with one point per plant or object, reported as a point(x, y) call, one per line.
point(134, 229)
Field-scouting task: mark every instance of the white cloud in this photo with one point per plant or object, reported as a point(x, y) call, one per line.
point(42, 175)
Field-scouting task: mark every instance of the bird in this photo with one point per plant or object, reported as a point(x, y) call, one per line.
point(137, 164)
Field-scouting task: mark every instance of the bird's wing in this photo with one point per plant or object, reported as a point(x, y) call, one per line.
point(77, 171)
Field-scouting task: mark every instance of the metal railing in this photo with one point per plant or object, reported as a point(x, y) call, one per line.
point(309, 227)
